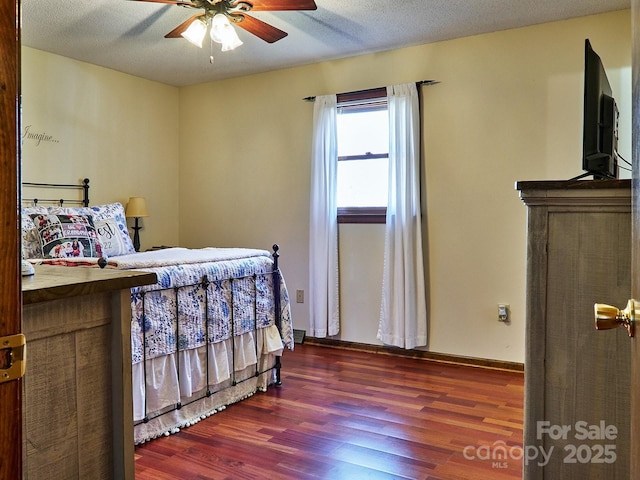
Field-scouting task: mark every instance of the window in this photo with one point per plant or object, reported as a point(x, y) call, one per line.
point(363, 157)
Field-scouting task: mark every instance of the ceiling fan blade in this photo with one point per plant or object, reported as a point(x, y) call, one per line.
point(274, 5)
point(171, 2)
point(177, 32)
point(260, 29)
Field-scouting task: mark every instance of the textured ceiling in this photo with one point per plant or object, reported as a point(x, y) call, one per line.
point(128, 35)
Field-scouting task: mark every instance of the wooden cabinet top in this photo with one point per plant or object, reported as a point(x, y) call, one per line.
point(576, 192)
point(54, 282)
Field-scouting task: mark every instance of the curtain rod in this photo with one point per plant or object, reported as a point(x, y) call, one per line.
point(421, 82)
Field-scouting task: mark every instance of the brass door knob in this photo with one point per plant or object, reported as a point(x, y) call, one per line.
point(608, 316)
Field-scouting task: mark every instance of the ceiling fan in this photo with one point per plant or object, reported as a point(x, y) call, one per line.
point(222, 14)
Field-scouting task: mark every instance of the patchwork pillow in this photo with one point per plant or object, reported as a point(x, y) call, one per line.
point(110, 223)
point(67, 236)
point(31, 247)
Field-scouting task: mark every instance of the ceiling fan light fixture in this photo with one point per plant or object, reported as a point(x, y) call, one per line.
point(223, 32)
point(196, 32)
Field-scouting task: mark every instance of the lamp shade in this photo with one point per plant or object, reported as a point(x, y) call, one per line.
point(136, 208)
point(223, 32)
point(196, 32)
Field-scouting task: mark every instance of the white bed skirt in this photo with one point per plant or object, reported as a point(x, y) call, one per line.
point(165, 388)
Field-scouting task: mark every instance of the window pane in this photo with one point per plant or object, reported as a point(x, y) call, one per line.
point(362, 132)
point(363, 183)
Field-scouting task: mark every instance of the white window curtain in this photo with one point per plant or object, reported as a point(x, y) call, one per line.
point(403, 312)
point(323, 232)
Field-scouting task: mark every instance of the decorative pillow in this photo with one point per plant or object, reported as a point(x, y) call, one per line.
point(67, 236)
point(110, 223)
point(31, 247)
point(112, 241)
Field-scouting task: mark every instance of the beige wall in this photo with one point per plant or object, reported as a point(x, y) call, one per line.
point(508, 108)
point(118, 130)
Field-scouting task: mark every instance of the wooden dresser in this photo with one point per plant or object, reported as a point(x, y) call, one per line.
point(77, 403)
point(578, 254)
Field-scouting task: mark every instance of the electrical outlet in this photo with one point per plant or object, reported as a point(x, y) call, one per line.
point(503, 312)
point(300, 296)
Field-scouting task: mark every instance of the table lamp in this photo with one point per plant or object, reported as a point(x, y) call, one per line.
point(136, 209)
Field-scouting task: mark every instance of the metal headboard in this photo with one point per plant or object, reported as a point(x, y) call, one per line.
point(84, 186)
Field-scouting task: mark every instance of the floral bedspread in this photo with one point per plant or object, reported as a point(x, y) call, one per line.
point(236, 298)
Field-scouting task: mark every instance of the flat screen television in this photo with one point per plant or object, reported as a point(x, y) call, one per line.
point(600, 123)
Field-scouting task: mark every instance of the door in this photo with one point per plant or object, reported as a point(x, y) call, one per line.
point(635, 242)
point(10, 279)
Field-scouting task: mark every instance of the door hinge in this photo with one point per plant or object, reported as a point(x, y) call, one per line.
point(17, 356)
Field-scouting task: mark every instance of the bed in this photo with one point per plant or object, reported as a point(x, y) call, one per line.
point(209, 333)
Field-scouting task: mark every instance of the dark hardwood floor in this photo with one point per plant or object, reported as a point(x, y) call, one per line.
point(343, 414)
